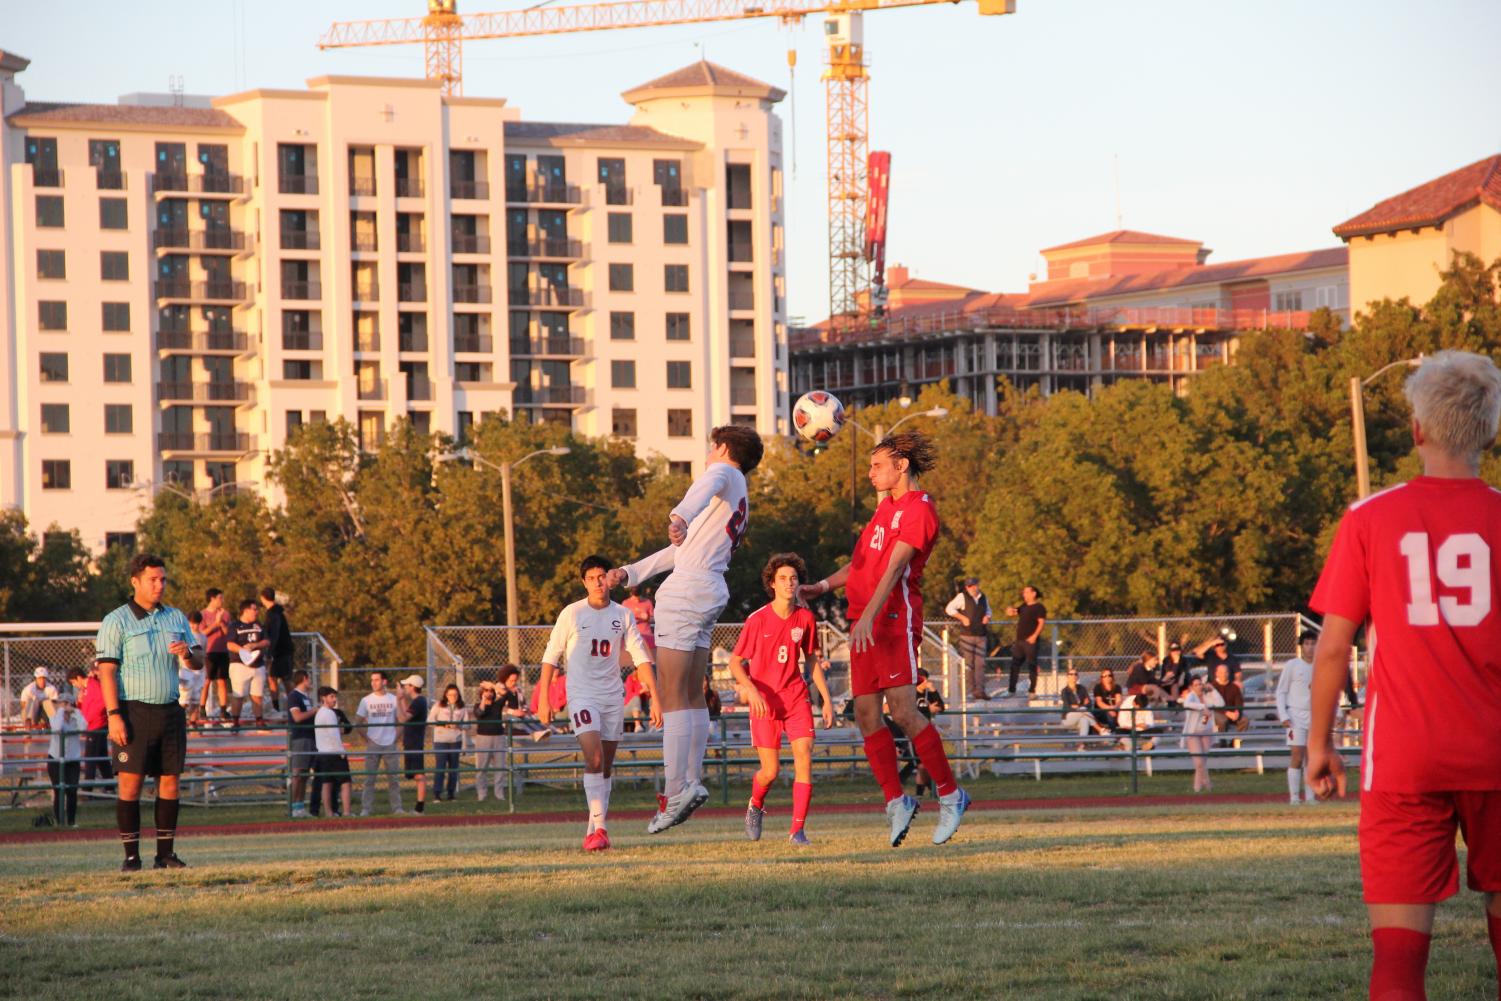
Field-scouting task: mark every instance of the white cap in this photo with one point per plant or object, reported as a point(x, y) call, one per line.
point(415, 680)
point(40, 672)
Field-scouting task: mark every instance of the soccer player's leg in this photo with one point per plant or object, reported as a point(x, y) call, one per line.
point(766, 738)
point(1480, 823)
point(800, 734)
point(928, 743)
point(586, 728)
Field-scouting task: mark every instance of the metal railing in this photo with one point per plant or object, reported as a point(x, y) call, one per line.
point(297, 184)
point(205, 392)
point(742, 299)
point(182, 288)
point(410, 243)
point(470, 243)
point(214, 183)
point(301, 290)
point(478, 190)
point(302, 340)
point(413, 292)
point(300, 239)
point(200, 239)
point(472, 293)
point(210, 341)
point(568, 347)
point(473, 343)
point(409, 187)
point(187, 441)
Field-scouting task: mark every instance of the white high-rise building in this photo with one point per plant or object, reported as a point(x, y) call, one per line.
point(187, 280)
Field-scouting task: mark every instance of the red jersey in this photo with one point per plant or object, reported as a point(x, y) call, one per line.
point(772, 646)
point(913, 520)
point(1416, 560)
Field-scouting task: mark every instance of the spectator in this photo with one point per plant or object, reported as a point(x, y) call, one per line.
point(411, 709)
point(216, 627)
point(971, 609)
point(1076, 706)
point(644, 611)
point(1107, 701)
point(34, 698)
point(1199, 703)
point(489, 738)
point(712, 701)
point(64, 756)
point(332, 764)
point(380, 711)
point(1135, 717)
point(1233, 699)
point(302, 742)
point(96, 756)
point(1145, 679)
point(557, 699)
point(1031, 616)
point(247, 671)
point(190, 680)
point(1174, 673)
point(1216, 651)
point(448, 721)
point(280, 649)
point(929, 701)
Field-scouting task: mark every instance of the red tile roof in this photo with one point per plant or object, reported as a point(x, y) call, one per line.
point(573, 134)
point(1083, 289)
point(1430, 204)
point(1123, 236)
point(706, 74)
point(165, 116)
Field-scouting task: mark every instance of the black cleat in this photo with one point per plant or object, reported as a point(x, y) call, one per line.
point(132, 863)
point(166, 862)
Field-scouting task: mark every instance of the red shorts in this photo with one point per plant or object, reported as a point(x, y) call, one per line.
point(793, 717)
point(1407, 853)
point(890, 662)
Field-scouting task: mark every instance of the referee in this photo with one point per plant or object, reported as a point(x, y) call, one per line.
point(138, 650)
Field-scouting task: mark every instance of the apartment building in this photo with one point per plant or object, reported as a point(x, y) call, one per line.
point(189, 280)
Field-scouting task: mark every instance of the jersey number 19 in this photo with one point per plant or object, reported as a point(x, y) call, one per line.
point(1462, 562)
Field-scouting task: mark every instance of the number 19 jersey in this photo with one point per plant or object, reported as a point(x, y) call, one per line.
point(586, 642)
point(1420, 561)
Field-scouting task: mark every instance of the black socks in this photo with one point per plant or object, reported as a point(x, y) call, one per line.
point(166, 825)
point(128, 820)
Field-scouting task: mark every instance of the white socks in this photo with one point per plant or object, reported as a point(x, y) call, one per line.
point(677, 745)
point(597, 792)
point(700, 743)
point(1294, 784)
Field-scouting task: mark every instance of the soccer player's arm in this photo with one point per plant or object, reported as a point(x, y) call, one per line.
point(902, 553)
point(745, 649)
point(1343, 597)
point(833, 582)
point(556, 653)
point(645, 569)
point(109, 651)
point(1284, 686)
point(710, 484)
point(645, 672)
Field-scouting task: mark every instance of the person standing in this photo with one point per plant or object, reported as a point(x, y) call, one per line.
point(972, 610)
point(302, 742)
point(34, 698)
point(411, 712)
point(883, 580)
point(96, 753)
point(489, 742)
point(64, 757)
point(139, 648)
point(280, 649)
point(1419, 562)
point(332, 764)
point(644, 611)
point(380, 711)
point(247, 672)
point(1175, 671)
point(1293, 704)
point(216, 627)
point(448, 720)
point(1199, 703)
point(1031, 616)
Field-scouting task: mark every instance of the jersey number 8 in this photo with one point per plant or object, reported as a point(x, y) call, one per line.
point(1462, 562)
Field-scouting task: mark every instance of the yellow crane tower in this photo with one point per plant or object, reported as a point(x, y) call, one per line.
point(846, 80)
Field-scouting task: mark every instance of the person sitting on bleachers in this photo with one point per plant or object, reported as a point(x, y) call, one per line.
point(1233, 715)
point(1107, 701)
point(1076, 707)
point(1145, 679)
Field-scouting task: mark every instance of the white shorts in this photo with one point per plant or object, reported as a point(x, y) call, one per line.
point(1297, 734)
point(589, 715)
point(687, 609)
point(189, 688)
point(245, 679)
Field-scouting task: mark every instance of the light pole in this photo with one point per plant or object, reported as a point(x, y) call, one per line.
point(504, 468)
point(1357, 421)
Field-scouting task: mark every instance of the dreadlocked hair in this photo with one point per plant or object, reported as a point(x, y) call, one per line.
point(914, 446)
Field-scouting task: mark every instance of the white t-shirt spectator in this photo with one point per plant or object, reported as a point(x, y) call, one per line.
point(32, 698)
point(380, 712)
point(329, 739)
point(1134, 714)
point(448, 714)
point(67, 726)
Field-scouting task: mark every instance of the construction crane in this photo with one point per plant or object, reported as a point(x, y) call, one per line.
point(846, 80)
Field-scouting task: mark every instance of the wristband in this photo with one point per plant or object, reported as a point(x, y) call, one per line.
point(115, 712)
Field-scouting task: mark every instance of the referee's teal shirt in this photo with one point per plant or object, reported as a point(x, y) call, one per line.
point(137, 641)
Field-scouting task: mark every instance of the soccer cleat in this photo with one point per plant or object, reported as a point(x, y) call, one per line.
point(799, 839)
point(900, 812)
point(950, 811)
point(753, 815)
point(596, 840)
point(169, 861)
point(692, 799)
point(663, 820)
point(132, 863)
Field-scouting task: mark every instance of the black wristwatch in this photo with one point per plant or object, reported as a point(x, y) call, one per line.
point(115, 712)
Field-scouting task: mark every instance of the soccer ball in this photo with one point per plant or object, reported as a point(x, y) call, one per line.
point(818, 415)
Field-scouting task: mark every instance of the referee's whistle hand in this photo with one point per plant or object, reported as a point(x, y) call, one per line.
point(178, 648)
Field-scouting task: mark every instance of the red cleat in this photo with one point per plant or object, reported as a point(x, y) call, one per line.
point(596, 840)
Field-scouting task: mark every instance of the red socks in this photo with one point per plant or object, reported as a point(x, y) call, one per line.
point(802, 795)
point(880, 751)
point(929, 748)
point(758, 793)
point(1400, 962)
point(1493, 925)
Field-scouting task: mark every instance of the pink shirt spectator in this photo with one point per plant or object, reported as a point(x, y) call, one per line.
point(643, 609)
point(216, 630)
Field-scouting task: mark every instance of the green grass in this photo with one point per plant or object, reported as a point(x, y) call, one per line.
point(1208, 902)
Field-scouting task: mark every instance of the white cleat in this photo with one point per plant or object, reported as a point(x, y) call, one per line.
point(900, 812)
point(692, 799)
point(663, 818)
point(950, 811)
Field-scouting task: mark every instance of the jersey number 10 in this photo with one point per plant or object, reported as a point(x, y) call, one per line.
point(599, 648)
point(1462, 562)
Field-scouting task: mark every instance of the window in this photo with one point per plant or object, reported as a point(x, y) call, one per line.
point(120, 540)
point(679, 375)
point(52, 315)
point(674, 228)
point(623, 374)
point(680, 424)
point(677, 326)
point(623, 422)
point(104, 157)
point(1288, 301)
point(51, 264)
point(114, 265)
point(622, 278)
point(117, 368)
point(675, 278)
point(619, 226)
point(54, 367)
point(294, 421)
point(119, 418)
point(116, 316)
point(297, 369)
point(680, 468)
point(112, 213)
point(372, 429)
point(612, 176)
point(119, 474)
point(622, 326)
point(49, 211)
point(178, 471)
point(464, 425)
point(57, 474)
point(54, 418)
point(471, 371)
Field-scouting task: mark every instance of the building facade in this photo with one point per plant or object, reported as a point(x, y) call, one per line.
point(188, 281)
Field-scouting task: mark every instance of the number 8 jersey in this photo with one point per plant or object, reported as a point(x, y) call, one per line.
point(586, 644)
point(1419, 560)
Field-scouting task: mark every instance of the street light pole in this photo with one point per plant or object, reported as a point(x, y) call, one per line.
point(878, 433)
point(1357, 422)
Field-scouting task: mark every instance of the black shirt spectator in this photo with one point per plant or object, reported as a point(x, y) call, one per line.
point(1142, 673)
point(1219, 653)
point(246, 633)
point(1027, 617)
point(489, 718)
point(279, 632)
point(302, 733)
point(510, 700)
point(414, 730)
point(1175, 670)
point(1075, 697)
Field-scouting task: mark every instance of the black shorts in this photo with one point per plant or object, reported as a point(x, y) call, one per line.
point(413, 759)
point(158, 739)
point(281, 668)
point(332, 769)
point(216, 666)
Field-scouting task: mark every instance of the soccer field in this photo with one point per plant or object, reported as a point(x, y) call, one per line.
point(1202, 901)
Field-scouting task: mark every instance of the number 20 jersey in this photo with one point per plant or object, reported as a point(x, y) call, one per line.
point(586, 643)
point(1420, 561)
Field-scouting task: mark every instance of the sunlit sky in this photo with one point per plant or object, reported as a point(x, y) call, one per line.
point(1255, 127)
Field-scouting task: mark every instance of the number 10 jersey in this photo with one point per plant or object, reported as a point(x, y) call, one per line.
point(1419, 560)
point(586, 643)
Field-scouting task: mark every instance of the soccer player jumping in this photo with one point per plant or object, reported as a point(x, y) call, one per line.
point(1418, 561)
point(703, 531)
point(881, 582)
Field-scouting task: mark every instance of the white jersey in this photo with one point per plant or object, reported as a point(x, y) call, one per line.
point(586, 644)
point(380, 712)
point(1294, 697)
point(716, 509)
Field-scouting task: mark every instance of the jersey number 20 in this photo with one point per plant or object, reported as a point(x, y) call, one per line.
point(1463, 562)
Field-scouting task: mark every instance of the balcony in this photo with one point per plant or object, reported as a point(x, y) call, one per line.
point(296, 289)
point(412, 340)
point(553, 193)
point(209, 342)
point(300, 239)
point(372, 389)
point(214, 441)
point(109, 180)
point(674, 197)
point(618, 195)
point(409, 187)
point(548, 347)
point(302, 340)
point(363, 241)
point(742, 253)
point(367, 291)
point(470, 243)
point(362, 185)
point(473, 344)
point(297, 184)
point(419, 387)
point(410, 243)
point(229, 241)
point(558, 248)
point(204, 392)
point(198, 184)
point(742, 299)
point(549, 296)
point(478, 190)
point(415, 292)
point(472, 293)
point(739, 198)
point(231, 292)
point(46, 177)
point(742, 396)
point(566, 396)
